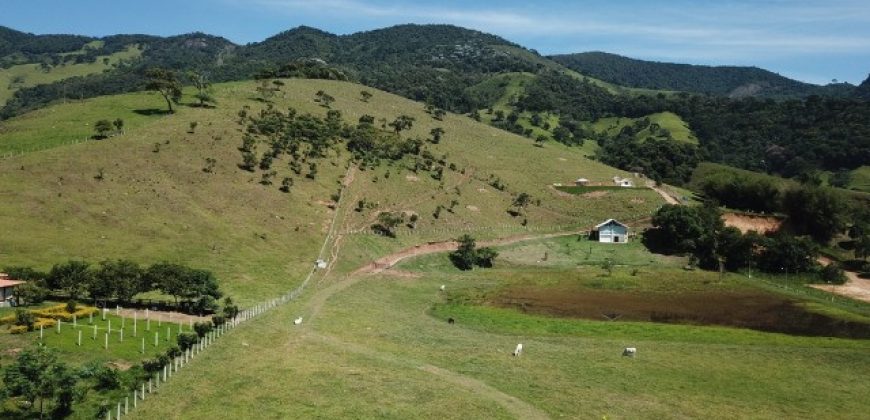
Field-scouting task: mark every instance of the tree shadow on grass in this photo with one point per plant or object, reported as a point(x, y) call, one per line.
point(151, 112)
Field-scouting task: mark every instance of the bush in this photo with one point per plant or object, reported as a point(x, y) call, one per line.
point(24, 318)
point(832, 273)
point(186, 340)
point(173, 352)
point(18, 329)
point(202, 328)
point(107, 378)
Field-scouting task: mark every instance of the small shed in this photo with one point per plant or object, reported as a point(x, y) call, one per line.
point(581, 182)
point(7, 289)
point(611, 231)
point(623, 182)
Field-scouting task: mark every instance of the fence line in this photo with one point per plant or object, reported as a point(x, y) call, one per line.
point(123, 408)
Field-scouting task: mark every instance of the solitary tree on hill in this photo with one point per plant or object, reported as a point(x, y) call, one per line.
point(203, 88)
point(402, 122)
point(165, 83)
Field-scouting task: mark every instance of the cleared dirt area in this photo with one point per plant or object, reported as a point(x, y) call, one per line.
point(855, 287)
point(747, 222)
point(744, 309)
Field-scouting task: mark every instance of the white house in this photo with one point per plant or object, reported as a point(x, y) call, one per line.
point(611, 231)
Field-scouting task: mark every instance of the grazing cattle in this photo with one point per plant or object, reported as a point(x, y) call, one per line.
point(443, 287)
point(518, 350)
point(629, 351)
point(450, 321)
point(297, 321)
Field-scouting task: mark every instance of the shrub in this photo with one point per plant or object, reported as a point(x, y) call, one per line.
point(186, 340)
point(173, 352)
point(18, 329)
point(24, 318)
point(202, 328)
point(832, 273)
point(107, 378)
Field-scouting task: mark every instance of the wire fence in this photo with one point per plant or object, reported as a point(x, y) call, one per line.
point(132, 400)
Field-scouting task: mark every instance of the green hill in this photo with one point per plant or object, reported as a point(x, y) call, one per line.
point(732, 81)
point(155, 202)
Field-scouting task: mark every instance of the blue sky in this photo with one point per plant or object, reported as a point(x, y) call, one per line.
point(814, 41)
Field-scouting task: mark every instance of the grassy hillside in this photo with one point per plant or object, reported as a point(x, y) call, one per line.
point(155, 202)
point(860, 179)
point(27, 75)
point(678, 128)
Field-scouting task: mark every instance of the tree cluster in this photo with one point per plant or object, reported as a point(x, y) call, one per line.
point(468, 255)
point(120, 281)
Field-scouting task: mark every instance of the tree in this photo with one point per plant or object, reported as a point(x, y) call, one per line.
point(202, 328)
point(402, 122)
point(230, 309)
point(102, 128)
point(365, 95)
point(73, 277)
point(465, 255)
point(123, 278)
point(119, 125)
point(324, 98)
point(37, 375)
point(818, 212)
point(486, 256)
point(520, 202)
point(31, 293)
point(436, 134)
point(387, 223)
point(170, 278)
point(203, 88)
point(286, 184)
point(187, 339)
point(788, 254)
point(165, 83)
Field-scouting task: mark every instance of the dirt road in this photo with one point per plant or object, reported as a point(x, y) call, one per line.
point(855, 287)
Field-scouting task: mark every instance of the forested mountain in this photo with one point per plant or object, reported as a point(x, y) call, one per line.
point(863, 90)
point(732, 81)
point(433, 63)
point(439, 65)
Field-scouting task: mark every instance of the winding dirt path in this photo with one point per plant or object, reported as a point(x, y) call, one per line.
point(668, 198)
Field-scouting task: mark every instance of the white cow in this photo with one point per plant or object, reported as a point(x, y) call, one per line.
point(629, 351)
point(518, 350)
point(443, 287)
point(297, 321)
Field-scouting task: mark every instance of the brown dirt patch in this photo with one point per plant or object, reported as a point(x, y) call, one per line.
point(402, 273)
point(167, 316)
point(12, 351)
point(121, 365)
point(747, 222)
point(482, 190)
point(561, 159)
point(638, 200)
point(412, 178)
point(744, 309)
point(472, 208)
point(594, 194)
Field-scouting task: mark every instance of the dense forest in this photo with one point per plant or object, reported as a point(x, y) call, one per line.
point(431, 63)
point(732, 81)
point(790, 138)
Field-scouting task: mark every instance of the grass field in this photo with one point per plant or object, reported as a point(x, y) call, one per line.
point(27, 75)
point(378, 345)
point(382, 347)
point(861, 179)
